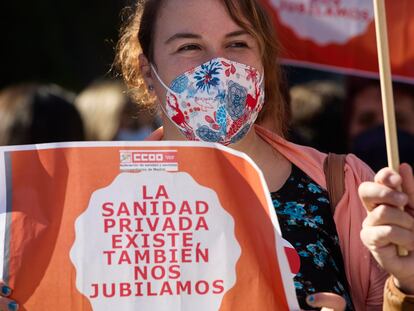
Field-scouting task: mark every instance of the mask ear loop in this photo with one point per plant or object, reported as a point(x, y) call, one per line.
point(261, 82)
point(160, 80)
point(164, 109)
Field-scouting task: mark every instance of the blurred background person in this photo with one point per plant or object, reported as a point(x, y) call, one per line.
point(137, 123)
point(366, 135)
point(109, 113)
point(34, 113)
point(370, 147)
point(404, 110)
point(364, 109)
point(317, 115)
point(365, 106)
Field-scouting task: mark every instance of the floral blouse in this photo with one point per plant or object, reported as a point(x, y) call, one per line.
point(306, 221)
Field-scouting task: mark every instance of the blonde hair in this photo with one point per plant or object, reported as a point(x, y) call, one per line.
point(101, 106)
point(309, 100)
point(137, 36)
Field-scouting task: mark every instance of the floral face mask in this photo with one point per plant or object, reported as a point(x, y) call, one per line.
point(217, 101)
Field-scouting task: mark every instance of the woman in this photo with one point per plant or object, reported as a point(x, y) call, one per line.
point(212, 68)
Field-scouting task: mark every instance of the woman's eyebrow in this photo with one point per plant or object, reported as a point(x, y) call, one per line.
point(189, 35)
point(237, 33)
point(182, 35)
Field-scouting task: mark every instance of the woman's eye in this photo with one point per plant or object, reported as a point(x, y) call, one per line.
point(188, 47)
point(238, 45)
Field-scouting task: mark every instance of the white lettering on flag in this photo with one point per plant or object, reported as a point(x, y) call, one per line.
point(326, 21)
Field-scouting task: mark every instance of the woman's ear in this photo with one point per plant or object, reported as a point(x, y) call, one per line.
point(145, 68)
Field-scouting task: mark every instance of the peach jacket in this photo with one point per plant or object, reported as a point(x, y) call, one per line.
point(365, 277)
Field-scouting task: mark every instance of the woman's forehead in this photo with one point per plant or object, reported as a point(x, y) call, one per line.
point(203, 17)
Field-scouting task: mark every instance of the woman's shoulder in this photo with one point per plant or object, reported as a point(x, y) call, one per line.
point(359, 168)
point(312, 160)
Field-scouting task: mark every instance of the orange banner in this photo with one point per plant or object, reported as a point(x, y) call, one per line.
point(140, 226)
point(339, 35)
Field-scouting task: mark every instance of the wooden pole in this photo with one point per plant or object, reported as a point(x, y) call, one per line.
point(387, 92)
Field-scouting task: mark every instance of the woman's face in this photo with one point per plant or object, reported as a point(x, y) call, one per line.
point(191, 32)
point(367, 112)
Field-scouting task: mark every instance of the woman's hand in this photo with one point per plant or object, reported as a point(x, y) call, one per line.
point(7, 304)
point(326, 301)
point(386, 225)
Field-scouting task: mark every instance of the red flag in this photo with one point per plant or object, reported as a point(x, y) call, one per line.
point(339, 35)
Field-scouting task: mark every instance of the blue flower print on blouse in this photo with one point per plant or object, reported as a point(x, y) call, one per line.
point(323, 200)
point(305, 218)
point(314, 188)
point(319, 253)
point(298, 215)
